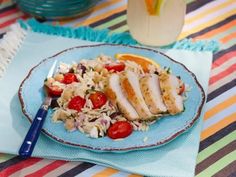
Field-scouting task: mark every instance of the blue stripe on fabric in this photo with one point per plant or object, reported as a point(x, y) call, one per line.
point(120, 174)
point(220, 116)
point(224, 96)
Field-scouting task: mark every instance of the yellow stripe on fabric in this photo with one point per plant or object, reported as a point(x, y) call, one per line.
point(218, 126)
point(218, 165)
point(208, 11)
point(221, 106)
point(101, 16)
point(207, 24)
point(98, 7)
point(106, 172)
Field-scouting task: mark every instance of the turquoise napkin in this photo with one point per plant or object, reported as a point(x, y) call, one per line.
point(177, 158)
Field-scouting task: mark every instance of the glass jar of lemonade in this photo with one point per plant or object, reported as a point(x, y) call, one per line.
point(156, 22)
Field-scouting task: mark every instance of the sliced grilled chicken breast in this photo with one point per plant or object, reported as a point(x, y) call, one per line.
point(116, 95)
point(169, 85)
point(130, 86)
point(150, 88)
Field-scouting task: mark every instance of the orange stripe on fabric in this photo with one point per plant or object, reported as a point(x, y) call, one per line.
point(208, 11)
point(102, 16)
point(48, 168)
point(207, 24)
point(224, 73)
point(98, 7)
point(228, 38)
point(18, 166)
point(106, 172)
point(218, 62)
point(9, 12)
point(217, 30)
point(9, 22)
point(133, 175)
point(221, 106)
point(105, 4)
point(218, 126)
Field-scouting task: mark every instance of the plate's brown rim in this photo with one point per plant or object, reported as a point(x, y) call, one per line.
point(115, 149)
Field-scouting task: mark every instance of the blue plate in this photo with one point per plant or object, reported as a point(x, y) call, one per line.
point(163, 131)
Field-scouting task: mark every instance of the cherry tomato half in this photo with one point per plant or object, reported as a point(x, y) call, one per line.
point(98, 99)
point(76, 103)
point(116, 67)
point(181, 89)
point(55, 91)
point(120, 129)
point(69, 78)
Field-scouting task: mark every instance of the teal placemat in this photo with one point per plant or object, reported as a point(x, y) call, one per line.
point(177, 158)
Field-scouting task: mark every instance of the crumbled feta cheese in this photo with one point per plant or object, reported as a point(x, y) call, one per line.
point(145, 139)
point(94, 132)
point(63, 68)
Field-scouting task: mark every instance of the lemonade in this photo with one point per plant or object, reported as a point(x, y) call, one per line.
point(155, 22)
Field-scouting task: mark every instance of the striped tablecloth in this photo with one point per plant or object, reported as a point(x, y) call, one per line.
point(205, 19)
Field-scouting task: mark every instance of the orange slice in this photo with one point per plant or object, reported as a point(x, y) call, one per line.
point(144, 62)
point(153, 6)
point(150, 4)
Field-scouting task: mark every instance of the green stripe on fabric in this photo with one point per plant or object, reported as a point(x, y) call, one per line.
point(112, 22)
point(216, 146)
point(120, 29)
point(5, 4)
point(5, 157)
point(223, 33)
point(189, 1)
point(218, 165)
point(227, 45)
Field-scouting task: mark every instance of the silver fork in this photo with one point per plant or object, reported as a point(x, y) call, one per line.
point(32, 135)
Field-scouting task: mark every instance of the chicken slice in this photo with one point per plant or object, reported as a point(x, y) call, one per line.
point(131, 88)
point(169, 85)
point(150, 88)
point(116, 95)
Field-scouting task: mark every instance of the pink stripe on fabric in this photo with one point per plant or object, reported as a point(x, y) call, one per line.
point(48, 168)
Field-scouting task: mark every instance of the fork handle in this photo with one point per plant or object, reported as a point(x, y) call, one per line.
point(32, 135)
